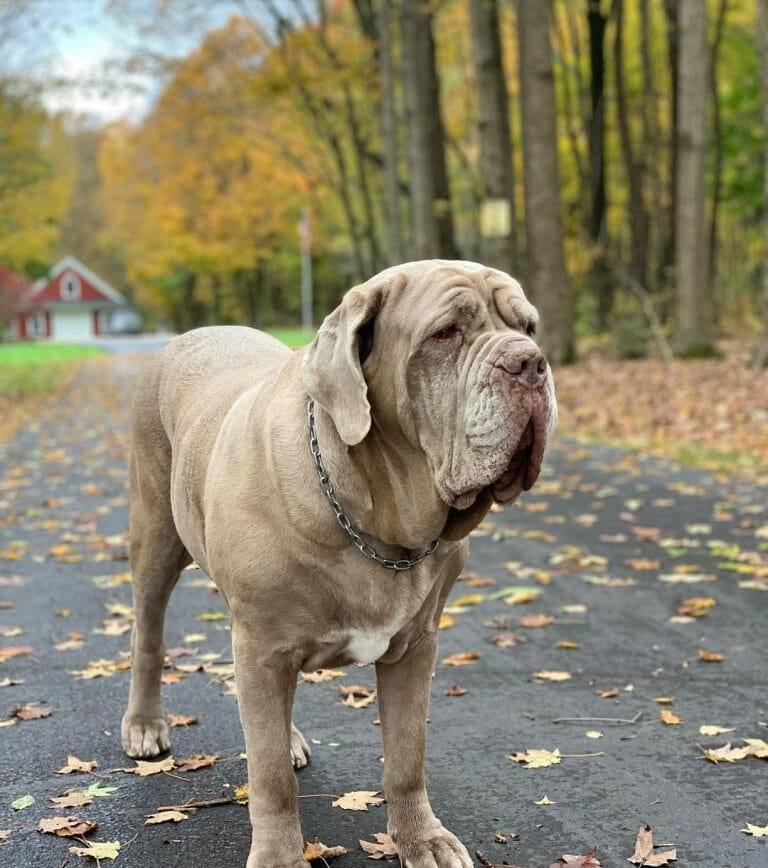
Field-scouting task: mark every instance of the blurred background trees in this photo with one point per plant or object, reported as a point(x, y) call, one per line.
point(609, 153)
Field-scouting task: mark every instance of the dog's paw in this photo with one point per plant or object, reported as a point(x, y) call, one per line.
point(143, 738)
point(300, 750)
point(440, 850)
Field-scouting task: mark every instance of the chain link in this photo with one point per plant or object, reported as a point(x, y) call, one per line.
point(343, 519)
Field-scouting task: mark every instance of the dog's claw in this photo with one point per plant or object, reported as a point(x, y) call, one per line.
point(440, 850)
point(300, 750)
point(143, 739)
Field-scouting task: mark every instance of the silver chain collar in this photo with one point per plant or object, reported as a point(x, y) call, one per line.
point(341, 516)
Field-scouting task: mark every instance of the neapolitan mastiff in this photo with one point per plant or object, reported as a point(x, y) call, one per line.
point(329, 493)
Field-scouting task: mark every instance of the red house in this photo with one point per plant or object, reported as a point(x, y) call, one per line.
point(71, 304)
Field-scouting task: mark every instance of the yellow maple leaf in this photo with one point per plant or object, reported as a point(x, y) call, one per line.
point(98, 850)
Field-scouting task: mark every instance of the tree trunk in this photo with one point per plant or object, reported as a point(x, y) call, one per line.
point(693, 326)
point(550, 288)
point(430, 194)
point(717, 137)
point(667, 259)
point(389, 134)
point(761, 356)
point(499, 236)
point(634, 164)
point(596, 132)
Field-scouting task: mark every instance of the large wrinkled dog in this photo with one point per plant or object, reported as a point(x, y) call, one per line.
point(311, 487)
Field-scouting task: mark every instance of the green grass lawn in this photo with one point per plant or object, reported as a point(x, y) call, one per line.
point(294, 338)
point(35, 368)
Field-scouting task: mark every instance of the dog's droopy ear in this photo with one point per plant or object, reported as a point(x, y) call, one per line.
point(332, 368)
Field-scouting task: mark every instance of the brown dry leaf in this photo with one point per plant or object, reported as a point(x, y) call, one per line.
point(476, 581)
point(66, 827)
point(31, 712)
point(696, 607)
point(358, 800)
point(72, 799)
point(455, 690)
point(182, 720)
point(7, 652)
point(607, 694)
point(568, 645)
point(644, 854)
point(710, 656)
point(533, 622)
point(318, 850)
point(195, 762)
point(586, 860)
point(4, 833)
point(77, 765)
point(145, 768)
point(461, 658)
point(506, 640)
point(165, 817)
point(712, 729)
point(537, 759)
point(173, 677)
point(725, 754)
point(383, 848)
point(446, 620)
point(642, 564)
point(322, 675)
point(669, 717)
point(356, 696)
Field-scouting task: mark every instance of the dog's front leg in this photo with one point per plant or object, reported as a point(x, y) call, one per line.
point(403, 687)
point(265, 688)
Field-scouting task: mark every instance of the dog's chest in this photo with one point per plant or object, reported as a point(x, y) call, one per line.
point(366, 646)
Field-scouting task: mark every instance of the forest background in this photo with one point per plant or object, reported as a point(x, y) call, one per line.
point(609, 153)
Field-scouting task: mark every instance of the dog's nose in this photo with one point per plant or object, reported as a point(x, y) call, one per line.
point(528, 366)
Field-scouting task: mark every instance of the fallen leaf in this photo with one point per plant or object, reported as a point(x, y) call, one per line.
point(211, 616)
point(725, 754)
point(586, 860)
point(710, 656)
point(77, 765)
point(537, 759)
point(100, 850)
point(322, 675)
point(4, 833)
point(72, 799)
point(198, 761)
point(455, 690)
point(66, 827)
point(31, 712)
point(756, 831)
point(686, 578)
point(358, 800)
point(462, 658)
point(594, 733)
point(696, 607)
point(318, 850)
point(182, 720)
point(99, 791)
point(533, 622)
point(568, 645)
point(8, 652)
point(165, 817)
point(709, 729)
point(506, 640)
point(446, 621)
point(544, 800)
point(644, 854)
point(468, 600)
point(23, 802)
point(669, 717)
point(757, 747)
point(607, 694)
point(145, 768)
point(552, 675)
point(383, 848)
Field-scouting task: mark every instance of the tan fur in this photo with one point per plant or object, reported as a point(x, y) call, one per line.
point(418, 441)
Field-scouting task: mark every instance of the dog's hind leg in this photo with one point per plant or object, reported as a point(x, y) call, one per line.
point(157, 558)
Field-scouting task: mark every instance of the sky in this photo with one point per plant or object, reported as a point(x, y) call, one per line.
point(74, 49)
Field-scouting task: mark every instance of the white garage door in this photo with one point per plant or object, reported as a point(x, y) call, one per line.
point(72, 325)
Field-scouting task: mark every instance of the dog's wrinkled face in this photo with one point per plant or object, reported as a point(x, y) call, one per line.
point(445, 352)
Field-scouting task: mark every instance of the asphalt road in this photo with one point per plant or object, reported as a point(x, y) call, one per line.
point(592, 541)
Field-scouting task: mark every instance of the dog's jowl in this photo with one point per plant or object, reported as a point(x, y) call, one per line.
point(329, 493)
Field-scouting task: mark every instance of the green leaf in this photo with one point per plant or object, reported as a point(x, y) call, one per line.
point(23, 802)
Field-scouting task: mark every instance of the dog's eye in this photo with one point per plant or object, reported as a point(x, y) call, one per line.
point(530, 329)
point(446, 334)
